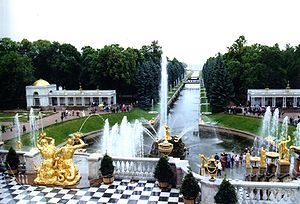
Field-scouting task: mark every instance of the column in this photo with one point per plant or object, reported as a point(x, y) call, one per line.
point(58, 101)
point(115, 99)
point(100, 100)
point(66, 101)
point(263, 101)
point(108, 100)
point(284, 102)
point(295, 102)
point(74, 101)
point(252, 101)
point(91, 100)
point(82, 101)
point(273, 102)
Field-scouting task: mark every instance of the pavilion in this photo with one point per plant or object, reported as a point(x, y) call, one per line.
point(274, 97)
point(44, 95)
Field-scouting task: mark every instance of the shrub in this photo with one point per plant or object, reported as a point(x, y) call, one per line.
point(189, 187)
point(163, 171)
point(12, 159)
point(107, 168)
point(226, 193)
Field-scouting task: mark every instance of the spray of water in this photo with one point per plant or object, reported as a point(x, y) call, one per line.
point(163, 97)
point(17, 127)
point(284, 128)
point(33, 126)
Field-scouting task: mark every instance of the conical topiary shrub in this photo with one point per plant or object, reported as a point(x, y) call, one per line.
point(226, 193)
point(12, 161)
point(189, 188)
point(163, 172)
point(107, 168)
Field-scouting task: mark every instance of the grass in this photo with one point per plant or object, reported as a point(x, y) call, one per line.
point(23, 116)
point(60, 131)
point(244, 123)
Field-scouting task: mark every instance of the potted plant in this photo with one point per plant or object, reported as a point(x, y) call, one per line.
point(189, 188)
point(226, 193)
point(107, 169)
point(163, 172)
point(12, 161)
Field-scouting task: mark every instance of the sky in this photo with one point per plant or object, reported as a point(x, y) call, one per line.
point(190, 30)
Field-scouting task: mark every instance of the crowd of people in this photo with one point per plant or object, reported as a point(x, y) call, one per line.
point(229, 160)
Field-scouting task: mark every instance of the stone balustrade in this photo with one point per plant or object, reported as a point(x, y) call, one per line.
point(250, 191)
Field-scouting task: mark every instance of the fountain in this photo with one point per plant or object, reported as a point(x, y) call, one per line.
point(124, 140)
point(32, 126)
point(284, 128)
point(17, 131)
point(163, 97)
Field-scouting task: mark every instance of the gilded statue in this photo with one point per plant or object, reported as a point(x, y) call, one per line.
point(57, 167)
point(19, 144)
point(248, 159)
point(68, 171)
point(284, 152)
point(203, 161)
point(263, 157)
point(46, 172)
point(168, 134)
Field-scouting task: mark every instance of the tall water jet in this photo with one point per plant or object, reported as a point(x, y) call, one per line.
point(275, 122)
point(125, 140)
point(17, 131)
point(284, 128)
point(266, 126)
point(163, 97)
point(32, 126)
point(297, 135)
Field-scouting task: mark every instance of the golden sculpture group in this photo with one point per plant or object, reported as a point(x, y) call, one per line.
point(58, 167)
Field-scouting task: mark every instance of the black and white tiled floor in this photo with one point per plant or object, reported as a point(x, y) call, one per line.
point(121, 191)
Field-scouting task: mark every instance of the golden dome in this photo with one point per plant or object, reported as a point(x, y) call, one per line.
point(40, 82)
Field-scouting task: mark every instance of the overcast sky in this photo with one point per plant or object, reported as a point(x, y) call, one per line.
point(190, 30)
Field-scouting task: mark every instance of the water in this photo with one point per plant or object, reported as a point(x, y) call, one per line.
point(126, 140)
point(163, 111)
point(284, 128)
point(297, 135)
point(17, 128)
point(266, 126)
point(275, 122)
point(32, 127)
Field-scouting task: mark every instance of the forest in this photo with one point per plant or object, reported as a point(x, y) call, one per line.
point(133, 73)
point(228, 76)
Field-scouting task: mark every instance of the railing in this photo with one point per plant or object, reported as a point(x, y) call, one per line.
point(250, 191)
point(135, 168)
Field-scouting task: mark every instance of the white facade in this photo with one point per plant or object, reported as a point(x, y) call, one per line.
point(274, 97)
point(43, 94)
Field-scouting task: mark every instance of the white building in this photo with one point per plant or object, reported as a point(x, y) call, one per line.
point(42, 94)
point(274, 97)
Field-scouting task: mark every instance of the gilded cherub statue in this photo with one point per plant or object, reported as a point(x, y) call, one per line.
point(263, 157)
point(284, 152)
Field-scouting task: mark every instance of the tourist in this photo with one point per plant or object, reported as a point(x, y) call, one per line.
point(3, 129)
point(216, 156)
point(237, 160)
point(232, 160)
point(219, 168)
point(24, 129)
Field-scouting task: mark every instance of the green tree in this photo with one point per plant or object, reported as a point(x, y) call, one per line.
point(226, 193)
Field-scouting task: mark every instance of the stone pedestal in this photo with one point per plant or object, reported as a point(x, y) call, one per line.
point(94, 165)
point(296, 171)
point(271, 169)
point(248, 170)
point(262, 170)
point(254, 170)
point(32, 158)
point(283, 168)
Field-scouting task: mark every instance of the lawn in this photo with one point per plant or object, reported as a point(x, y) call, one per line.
point(23, 116)
point(60, 131)
point(244, 123)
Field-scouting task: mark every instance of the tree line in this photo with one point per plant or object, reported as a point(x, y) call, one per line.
point(228, 76)
point(133, 73)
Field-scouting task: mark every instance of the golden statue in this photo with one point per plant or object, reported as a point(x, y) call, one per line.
point(58, 167)
point(248, 159)
point(284, 152)
point(46, 173)
point(263, 157)
point(212, 168)
point(19, 144)
point(204, 161)
point(168, 134)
